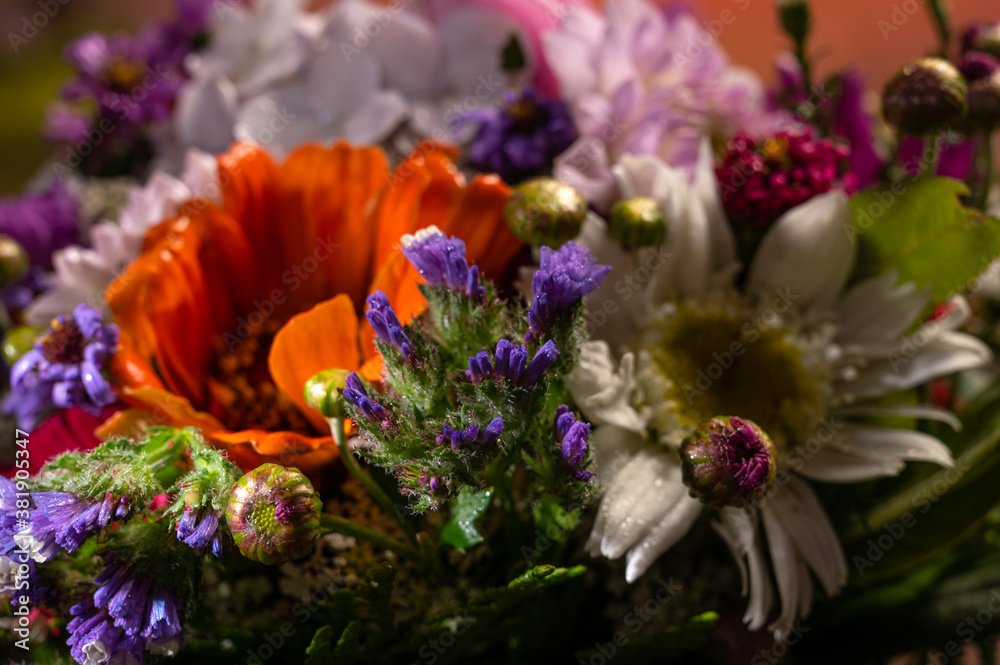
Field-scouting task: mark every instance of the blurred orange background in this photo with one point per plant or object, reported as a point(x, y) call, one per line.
point(875, 35)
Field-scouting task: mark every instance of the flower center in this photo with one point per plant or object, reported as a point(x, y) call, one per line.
point(731, 362)
point(123, 75)
point(242, 394)
point(526, 114)
point(63, 343)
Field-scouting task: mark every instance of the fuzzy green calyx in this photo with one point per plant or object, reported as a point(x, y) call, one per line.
point(637, 222)
point(924, 96)
point(274, 514)
point(544, 211)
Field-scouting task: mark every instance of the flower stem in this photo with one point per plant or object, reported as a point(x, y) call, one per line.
point(928, 163)
point(942, 21)
point(984, 174)
point(377, 493)
point(332, 524)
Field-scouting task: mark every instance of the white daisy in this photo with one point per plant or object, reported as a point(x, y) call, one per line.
point(83, 274)
point(794, 349)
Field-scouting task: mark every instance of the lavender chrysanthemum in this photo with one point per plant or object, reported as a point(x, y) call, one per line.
point(64, 369)
point(441, 261)
point(511, 364)
point(563, 278)
point(572, 437)
point(384, 321)
point(42, 222)
point(519, 138)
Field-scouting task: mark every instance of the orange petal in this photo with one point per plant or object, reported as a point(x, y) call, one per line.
point(161, 303)
point(327, 196)
point(249, 449)
point(373, 368)
point(161, 408)
point(478, 220)
point(322, 338)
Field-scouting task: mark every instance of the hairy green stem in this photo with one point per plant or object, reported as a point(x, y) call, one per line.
point(332, 524)
point(377, 493)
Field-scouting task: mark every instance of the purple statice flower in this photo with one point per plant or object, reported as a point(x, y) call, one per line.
point(572, 438)
point(386, 324)
point(201, 530)
point(355, 393)
point(94, 638)
point(511, 364)
point(62, 521)
point(8, 515)
point(133, 78)
point(42, 222)
point(64, 369)
point(459, 438)
point(640, 80)
point(563, 278)
point(128, 614)
point(519, 138)
point(441, 261)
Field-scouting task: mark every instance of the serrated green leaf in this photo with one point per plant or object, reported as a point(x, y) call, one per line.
point(922, 230)
point(460, 530)
point(320, 650)
point(554, 520)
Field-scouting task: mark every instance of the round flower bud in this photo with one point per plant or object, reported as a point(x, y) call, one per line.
point(14, 261)
point(544, 211)
point(924, 96)
point(983, 37)
point(322, 392)
point(273, 514)
point(728, 461)
point(638, 222)
point(984, 103)
point(17, 342)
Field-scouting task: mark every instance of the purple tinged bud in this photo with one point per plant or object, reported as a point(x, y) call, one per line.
point(434, 483)
point(728, 461)
point(441, 261)
point(386, 324)
point(572, 437)
point(563, 420)
point(563, 278)
point(544, 357)
point(503, 358)
point(355, 393)
point(492, 432)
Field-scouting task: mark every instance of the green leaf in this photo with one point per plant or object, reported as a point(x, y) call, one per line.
point(320, 651)
point(922, 230)
point(669, 644)
point(460, 530)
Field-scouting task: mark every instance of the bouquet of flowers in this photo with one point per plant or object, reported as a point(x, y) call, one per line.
point(510, 330)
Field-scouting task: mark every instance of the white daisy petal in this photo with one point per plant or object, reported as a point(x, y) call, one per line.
point(833, 466)
point(613, 448)
point(805, 590)
point(644, 491)
point(922, 411)
point(808, 528)
point(893, 444)
point(877, 310)
point(602, 390)
point(912, 365)
point(670, 529)
point(785, 566)
point(806, 251)
point(706, 190)
point(761, 594)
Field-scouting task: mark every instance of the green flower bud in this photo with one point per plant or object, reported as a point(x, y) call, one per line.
point(544, 211)
point(637, 223)
point(273, 514)
point(14, 261)
point(728, 461)
point(924, 96)
point(322, 392)
point(17, 342)
point(794, 17)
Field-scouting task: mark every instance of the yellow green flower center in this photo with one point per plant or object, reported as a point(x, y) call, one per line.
point(732, 363)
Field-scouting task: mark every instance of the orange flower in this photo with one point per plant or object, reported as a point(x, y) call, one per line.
point(229, 310)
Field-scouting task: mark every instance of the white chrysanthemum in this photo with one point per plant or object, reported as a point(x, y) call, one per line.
point(793, 349)
point(82, 274)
